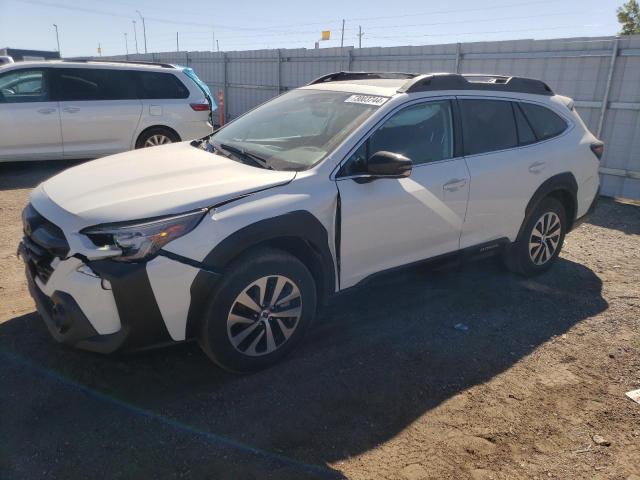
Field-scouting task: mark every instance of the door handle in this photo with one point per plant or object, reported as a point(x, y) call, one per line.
point(537, 167)
point(454, 184)
point(71, 109)
point(46, 111)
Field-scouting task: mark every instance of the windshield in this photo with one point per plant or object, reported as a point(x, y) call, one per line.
point(298, 129)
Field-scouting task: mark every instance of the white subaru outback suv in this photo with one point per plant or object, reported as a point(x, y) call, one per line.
point(62, 109)
point(236, 239)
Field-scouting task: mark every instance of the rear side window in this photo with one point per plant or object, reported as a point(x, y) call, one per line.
point(487, 125)
point(157, 85)
point(545, 123)
point(78, 84)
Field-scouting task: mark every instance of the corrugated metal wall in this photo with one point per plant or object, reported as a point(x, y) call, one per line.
point(596, 72)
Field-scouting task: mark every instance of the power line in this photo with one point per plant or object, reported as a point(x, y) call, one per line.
point(387, 27)
point(453, 34)
point(276, 27)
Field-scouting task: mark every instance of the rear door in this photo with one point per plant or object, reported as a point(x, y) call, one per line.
point(29, 119)
point(99, 110)
point(505, 168)
point(165, 102)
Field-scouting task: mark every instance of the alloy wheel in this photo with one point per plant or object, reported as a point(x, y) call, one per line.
point(264, 315)
point(545, 238)
point(157, 139)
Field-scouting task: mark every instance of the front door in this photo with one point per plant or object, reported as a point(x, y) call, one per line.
point(390, 222)
point(29, 120)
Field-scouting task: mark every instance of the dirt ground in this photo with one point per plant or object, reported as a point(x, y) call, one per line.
point(384, 386)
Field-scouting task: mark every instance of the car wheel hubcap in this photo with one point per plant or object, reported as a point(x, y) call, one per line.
point(545, 238)
point(157, 139)
point(264, 315)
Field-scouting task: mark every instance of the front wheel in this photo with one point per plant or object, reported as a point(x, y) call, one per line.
point(259, 312)
point(540, 241)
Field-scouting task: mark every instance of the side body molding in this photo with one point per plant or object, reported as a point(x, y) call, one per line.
point(299, 232)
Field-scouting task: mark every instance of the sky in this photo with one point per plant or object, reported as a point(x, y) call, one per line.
point(248, 25)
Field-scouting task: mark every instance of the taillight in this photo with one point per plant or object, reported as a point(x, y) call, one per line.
point(598, 149)
point(201, 107)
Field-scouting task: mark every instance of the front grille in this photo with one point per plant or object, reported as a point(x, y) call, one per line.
point(43, 241)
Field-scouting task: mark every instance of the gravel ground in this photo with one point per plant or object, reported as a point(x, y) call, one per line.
point(383, 387)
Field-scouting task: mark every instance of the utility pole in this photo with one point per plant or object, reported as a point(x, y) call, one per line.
point(360, 34)
point(135, 35)
point(144, 31)
point(218, 45)
point(99, 49)
point(177, 43)
point(126, 44)
point(213, 41)
point(342, 37)
point(57, 37)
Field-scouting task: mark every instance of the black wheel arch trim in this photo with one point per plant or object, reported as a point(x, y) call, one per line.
point(298, 226)
point(140, 316)
point(563, 182)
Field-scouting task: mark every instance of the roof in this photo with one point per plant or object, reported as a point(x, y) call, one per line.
point(390, 83)
point(96, 63)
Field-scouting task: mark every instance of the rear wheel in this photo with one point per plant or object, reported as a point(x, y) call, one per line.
point(540, 241)
point(156, 136)
point(259, 312)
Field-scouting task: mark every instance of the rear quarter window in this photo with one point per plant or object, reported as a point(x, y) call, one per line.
point(158, 85)
point(545, 123)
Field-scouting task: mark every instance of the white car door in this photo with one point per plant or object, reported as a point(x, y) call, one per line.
point(388, 222)
point(99, 111)
point(29, 120)
point(507, 164)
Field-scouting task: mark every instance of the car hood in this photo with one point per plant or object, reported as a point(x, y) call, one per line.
point(152, 182)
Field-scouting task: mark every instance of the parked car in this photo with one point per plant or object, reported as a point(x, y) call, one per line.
point(235, 240)
point(4, 59)
point(86, 109)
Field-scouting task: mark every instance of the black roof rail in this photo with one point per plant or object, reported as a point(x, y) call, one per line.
point(131, 62)
point(456, 81)
point(340, 76)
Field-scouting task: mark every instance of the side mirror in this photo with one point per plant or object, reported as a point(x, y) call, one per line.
point(388, 165)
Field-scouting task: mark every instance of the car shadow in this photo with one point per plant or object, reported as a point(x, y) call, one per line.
point(609, 215)
point(378, 358)
point(16, 175)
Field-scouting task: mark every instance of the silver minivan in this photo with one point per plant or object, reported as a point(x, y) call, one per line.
point(86, 109)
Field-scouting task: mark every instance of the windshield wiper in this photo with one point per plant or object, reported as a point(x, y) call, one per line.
point(242, 154)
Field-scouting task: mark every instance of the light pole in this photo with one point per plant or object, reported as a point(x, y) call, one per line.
point(144, 31)
point(57, 37)
point(135, 35)
point(126, 44)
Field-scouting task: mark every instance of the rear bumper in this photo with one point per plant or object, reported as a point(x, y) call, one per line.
point(590, 211)
point(194, 130)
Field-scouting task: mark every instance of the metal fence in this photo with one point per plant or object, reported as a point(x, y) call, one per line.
point(601, 73)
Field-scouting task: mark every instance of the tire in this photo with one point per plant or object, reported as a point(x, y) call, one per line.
point(156, 136)
point(235, 332)
point(532, 253)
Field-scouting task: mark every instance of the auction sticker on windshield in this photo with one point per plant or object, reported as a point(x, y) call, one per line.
point(367, 99)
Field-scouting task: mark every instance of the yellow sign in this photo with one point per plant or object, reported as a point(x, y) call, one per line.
point(326, 34)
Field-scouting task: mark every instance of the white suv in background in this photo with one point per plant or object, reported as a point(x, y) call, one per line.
point(236, 239)
point(86, 109)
